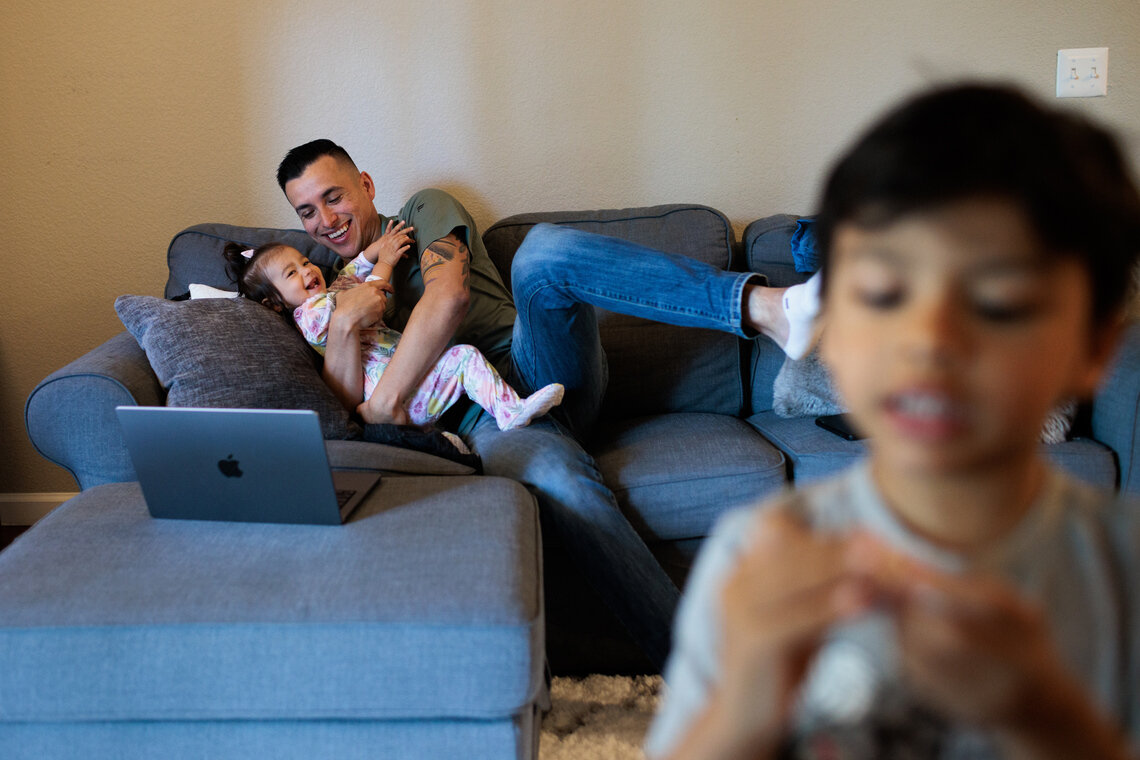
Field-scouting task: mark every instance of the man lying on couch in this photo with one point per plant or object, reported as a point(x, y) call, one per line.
point(450, 291)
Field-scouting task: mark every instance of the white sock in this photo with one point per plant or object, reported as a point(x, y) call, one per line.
point(535, 405)
point(801, 305)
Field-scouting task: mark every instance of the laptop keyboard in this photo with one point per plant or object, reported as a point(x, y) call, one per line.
point(343, 495)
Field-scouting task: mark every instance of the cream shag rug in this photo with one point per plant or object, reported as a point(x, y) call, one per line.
point(598, 717)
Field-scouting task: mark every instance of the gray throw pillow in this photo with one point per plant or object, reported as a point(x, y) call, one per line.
point(803, 388)
point(231, 353)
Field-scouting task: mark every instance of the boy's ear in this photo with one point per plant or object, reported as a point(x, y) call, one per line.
point(1103, 342)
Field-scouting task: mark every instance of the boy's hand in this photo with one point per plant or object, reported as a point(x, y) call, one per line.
point(393, 245)
point(974, 650)
point(971, 646)
point(789, 588)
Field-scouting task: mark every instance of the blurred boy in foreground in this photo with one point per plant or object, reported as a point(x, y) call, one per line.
point(952, 596)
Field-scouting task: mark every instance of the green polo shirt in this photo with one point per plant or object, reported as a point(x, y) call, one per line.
point(490, 319)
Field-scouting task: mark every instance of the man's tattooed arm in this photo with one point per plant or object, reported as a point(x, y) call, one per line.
point(439, 255)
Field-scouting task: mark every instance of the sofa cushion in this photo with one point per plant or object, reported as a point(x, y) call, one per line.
point(70, 414)
point(812, 452)
point(195, 254)
point(1084, 459)
point(675, 474)
point(1115, 421)
point(426, 604)
point(815, 453)
point(381, 457)
point(804, 388)
point(768, 249)
point(654, 367)
point(231, 353)
point(699, 232)
point(281, 740)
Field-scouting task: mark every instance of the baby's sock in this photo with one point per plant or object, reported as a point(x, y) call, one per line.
point(801, 304)
point(535, 405)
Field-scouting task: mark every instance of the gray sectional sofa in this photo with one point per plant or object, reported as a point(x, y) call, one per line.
point(688, 432)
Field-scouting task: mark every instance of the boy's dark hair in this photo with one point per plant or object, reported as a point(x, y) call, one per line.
point(1067, 174)
point(250, 277)
point(298, 159)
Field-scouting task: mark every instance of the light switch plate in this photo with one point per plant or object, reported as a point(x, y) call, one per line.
point(1082, 72)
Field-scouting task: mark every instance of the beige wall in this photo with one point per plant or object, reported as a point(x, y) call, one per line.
point(123, 122)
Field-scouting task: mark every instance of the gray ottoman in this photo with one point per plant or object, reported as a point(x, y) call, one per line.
point(414, 631)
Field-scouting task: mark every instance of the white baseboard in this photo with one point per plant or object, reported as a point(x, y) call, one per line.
point(26, 508)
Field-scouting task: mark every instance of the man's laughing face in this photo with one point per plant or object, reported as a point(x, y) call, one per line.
point(334, 203)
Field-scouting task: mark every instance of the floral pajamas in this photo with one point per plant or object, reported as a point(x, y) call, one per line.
point(461, 370)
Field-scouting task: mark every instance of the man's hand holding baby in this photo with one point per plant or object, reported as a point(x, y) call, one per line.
point(362, 306)
point(380, 409)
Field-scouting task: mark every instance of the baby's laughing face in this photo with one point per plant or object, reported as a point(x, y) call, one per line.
point(295, 277)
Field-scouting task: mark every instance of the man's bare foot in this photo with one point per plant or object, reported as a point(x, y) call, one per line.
point(375, 412)
point(764, 312)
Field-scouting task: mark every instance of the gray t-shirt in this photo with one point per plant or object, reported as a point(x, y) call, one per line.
point(1075, 553)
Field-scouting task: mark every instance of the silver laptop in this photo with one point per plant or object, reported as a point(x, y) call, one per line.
point(247, 465)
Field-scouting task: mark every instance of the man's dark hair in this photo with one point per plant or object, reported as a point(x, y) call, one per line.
point(298, 159)
point(1067, 175)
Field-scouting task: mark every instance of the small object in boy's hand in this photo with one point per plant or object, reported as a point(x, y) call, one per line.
point(840, 425)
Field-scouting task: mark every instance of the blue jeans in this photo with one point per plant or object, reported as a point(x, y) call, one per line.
point(558, 275)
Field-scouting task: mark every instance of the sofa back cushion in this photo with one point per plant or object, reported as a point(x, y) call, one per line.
point(653, 367)
point(768, 250)
point(195, 254)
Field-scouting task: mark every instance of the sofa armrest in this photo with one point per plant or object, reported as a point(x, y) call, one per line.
point(1116, 406)
point(70, 415)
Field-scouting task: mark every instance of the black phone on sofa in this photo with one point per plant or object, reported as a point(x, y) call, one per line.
point(840, 425)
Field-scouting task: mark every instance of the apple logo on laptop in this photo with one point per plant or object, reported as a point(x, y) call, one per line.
point(229, 467)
